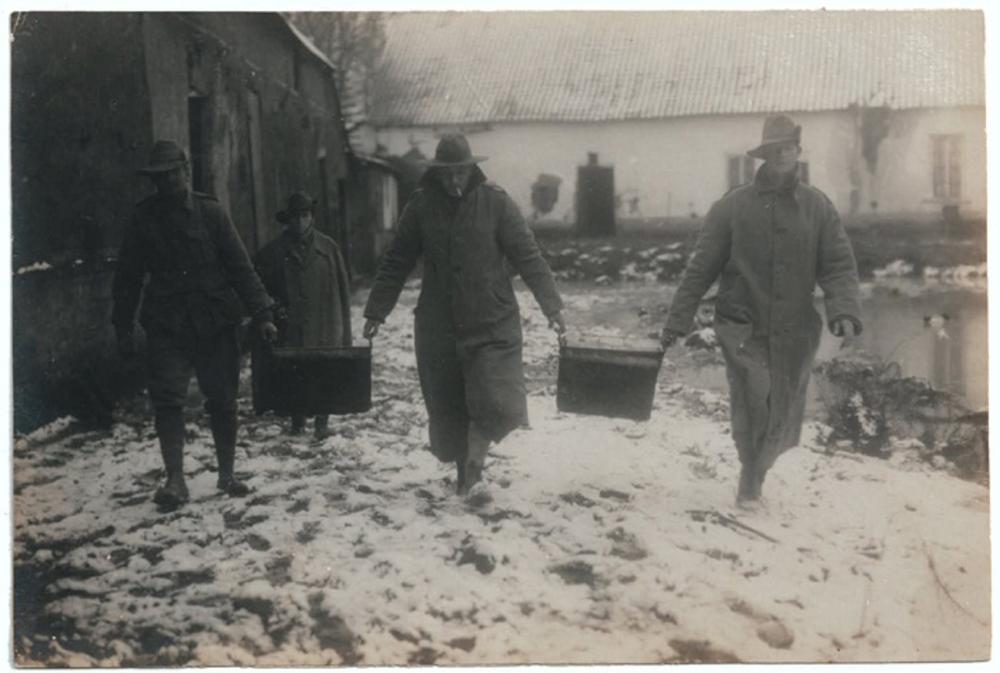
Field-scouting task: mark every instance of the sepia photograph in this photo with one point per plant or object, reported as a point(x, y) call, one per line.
point(414, 337)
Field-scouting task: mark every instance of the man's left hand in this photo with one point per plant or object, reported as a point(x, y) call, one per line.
point(267, 332)
point(845, 329)
point(556, 323)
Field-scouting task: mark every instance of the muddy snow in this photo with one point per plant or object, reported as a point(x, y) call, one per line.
point(593, 540)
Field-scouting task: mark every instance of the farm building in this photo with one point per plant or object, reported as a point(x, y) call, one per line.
point(254, 103)
point(892, 104)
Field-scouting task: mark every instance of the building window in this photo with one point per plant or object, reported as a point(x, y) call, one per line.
point(946, 154)
point(804, 172)
point(741, 170)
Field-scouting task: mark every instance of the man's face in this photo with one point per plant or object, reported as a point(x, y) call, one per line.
point(301, 222)
point(172, 183)
point(783, 158)
point(454, 179)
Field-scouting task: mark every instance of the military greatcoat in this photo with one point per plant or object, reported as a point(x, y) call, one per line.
point(769, 244)
point(467, 322)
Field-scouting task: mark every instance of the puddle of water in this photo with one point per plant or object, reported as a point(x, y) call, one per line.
point(894, 329)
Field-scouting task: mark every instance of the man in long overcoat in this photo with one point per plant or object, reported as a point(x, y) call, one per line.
point(305, 273)
point(467, 322)
point(769, 243)
point(198, 272)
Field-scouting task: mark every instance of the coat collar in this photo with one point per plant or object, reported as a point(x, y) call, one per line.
point(765, 181)
point(299, 248)
point(430, 183)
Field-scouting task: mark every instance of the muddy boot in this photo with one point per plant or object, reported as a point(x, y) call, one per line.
point(170, 430)
point(479, 444)
point(224, 434)
point(760, 483)
point(322, 427)
point(298, 425)
point(460, 476)
point(748, 492)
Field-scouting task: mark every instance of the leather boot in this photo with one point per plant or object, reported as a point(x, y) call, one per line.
point(224, 434)
point(169, 424)
point(298, 425)
point(460, 476)
point(322, 427)
point(479, 444)
point(749, 489)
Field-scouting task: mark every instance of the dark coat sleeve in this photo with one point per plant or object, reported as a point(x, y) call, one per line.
point(239, 272)
point(126, 288)
point(522, 252)
point(709, 258)
point(344, 286)
point(397, 263)
point(837, 270)
point(267, 271)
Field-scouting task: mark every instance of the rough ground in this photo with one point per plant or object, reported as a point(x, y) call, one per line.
point(596, 540)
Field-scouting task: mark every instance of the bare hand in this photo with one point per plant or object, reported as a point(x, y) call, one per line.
point(267, 332)
point(557, 323)
point(669, 337)
point(845, 329)
point(371, 328)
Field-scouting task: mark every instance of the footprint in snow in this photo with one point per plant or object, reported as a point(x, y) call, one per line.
point(626, 545)
point(770, 629)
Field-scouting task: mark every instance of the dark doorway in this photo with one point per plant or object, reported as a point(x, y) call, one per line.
point(324, 221)
point(595, 199)
point(261, 219)
point(199, 134)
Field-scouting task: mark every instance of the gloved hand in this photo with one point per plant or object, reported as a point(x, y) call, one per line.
point(267, 332)
point(669, 337)
point(371, 328)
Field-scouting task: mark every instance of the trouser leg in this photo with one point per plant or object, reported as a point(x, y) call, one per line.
point(169, 422)
point(217, 367)
point(169, 371)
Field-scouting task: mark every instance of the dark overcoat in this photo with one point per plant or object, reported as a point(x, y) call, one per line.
point(769, 244)
point(308, 279)
point(467, 328)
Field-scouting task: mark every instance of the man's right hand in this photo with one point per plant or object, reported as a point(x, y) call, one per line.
point(127, 347)
point(669, 337)
point(371, 328)
point(267, 332)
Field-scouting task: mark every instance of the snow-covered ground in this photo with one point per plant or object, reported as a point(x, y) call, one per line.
point(595, 540)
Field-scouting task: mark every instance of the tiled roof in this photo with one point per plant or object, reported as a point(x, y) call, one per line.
point(466, 67)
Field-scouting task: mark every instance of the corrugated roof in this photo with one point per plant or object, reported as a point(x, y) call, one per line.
point(466, 67)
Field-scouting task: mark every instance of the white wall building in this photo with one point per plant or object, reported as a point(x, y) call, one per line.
point(674, 99)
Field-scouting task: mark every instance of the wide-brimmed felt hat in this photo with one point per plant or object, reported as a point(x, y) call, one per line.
point(453, 150)
point(777, 129)
point(298, 202)
point(165, 156)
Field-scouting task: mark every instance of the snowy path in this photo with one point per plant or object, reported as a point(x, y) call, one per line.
point(604, 541)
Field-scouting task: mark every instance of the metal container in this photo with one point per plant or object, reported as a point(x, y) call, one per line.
point(312, 381)
point(608, 376)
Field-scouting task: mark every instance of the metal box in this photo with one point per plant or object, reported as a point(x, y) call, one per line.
point(312, 381)
point(608, 376)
